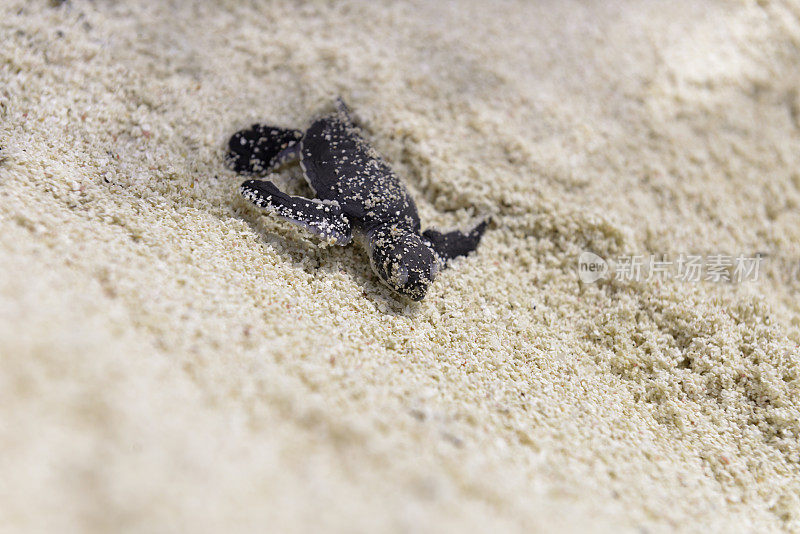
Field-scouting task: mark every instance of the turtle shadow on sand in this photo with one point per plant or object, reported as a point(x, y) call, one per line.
point(300, 252)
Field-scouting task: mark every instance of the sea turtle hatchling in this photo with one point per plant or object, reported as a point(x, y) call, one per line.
point(357, 194)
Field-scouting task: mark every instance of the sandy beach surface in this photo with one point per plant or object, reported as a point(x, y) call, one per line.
point(172, 360)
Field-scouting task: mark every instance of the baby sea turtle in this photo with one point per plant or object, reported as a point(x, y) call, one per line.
point(357, 194)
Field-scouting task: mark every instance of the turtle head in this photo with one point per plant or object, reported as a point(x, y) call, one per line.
point(403, 260)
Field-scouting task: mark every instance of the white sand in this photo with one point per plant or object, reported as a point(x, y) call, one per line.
point(172, 361)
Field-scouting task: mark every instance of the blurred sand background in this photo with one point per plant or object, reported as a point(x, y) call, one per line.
point(173, 361)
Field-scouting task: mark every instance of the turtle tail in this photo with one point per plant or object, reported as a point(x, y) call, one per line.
point(342, 106)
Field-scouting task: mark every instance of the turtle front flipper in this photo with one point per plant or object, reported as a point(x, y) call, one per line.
point(261, 148)
point(454, 244)
point(324, 219)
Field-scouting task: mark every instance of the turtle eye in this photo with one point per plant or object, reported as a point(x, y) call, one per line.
point(434, 269)
point(400, 274)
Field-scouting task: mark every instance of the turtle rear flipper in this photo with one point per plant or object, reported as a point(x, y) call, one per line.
point(454, 244)
point(261, 148)
point(325, 219)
